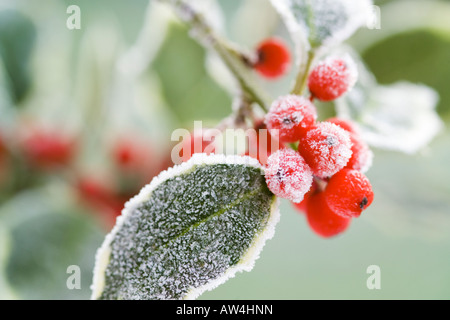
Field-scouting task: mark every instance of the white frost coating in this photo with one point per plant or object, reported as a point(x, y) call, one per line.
point(288, 176)
point(352, 71)
point(248, 260)
point(211, 11)
point(103, 252)
point(289, 112)
point(262, 24)
point(208, 10)
point(330, 147)
point(368, 161)
point(101, 263)
point(333, 21)
point(398, 117)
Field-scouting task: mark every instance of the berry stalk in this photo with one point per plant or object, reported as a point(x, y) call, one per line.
point(302, 76)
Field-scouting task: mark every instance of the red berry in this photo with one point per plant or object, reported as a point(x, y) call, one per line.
point(348, 193)
point(127, 153)
point(344, 124)
point(362, 156)
point(331, 78)
point(46, 149)
point(322, 220)
point(132, 154)
point(199, 141)
point(326, 148)
point(135, 160)
point(4, 168)
point(287, 175)
point(301, 207)
point(2, 147)
point(104, 200)
point(290, 117)
point(273, 58)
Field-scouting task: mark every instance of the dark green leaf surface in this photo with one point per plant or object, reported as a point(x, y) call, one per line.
point(188, 231)
point(17, 36)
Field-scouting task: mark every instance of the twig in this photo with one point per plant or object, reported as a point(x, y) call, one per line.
point(234, 59)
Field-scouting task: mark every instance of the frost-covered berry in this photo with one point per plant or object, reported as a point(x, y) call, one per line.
point(322, 220)
point(301, 207)
point(331, 78)
point(290, 117)
point(326, 149)
point(288, 176)
point(344, 124)
point(273, 58)
point(348, 193)
point(362, 156)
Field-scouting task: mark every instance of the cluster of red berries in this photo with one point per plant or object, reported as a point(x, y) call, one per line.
point(134, 164)
point(325, 175)
point(41, 150)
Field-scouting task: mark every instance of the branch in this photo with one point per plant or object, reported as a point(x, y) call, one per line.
point(236, 61)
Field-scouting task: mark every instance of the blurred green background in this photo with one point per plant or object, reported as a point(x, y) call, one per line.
point(107, 98)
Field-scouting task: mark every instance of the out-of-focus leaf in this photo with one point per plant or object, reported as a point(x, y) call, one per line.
point(5, 243)
point(190, 92)
point(399, 117)
point(188, 231)
point(153, 32)
point(7, 113)
point(412, 47)
point(47, 236)
point(17, 37)
point(263, 25)
point(317, 23)
point(417, 56)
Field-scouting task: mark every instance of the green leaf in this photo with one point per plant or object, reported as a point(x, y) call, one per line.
point(316, 23)
point(17, 37)
point(189, 230)
point(6, 292)
point(45, 235)
point(400, 117)
point(412, 47)
point(416, 56)
point(188, 89)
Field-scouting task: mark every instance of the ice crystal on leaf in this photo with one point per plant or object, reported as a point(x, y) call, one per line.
point(400, 116)
point(189, 230)
point(317, 23)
